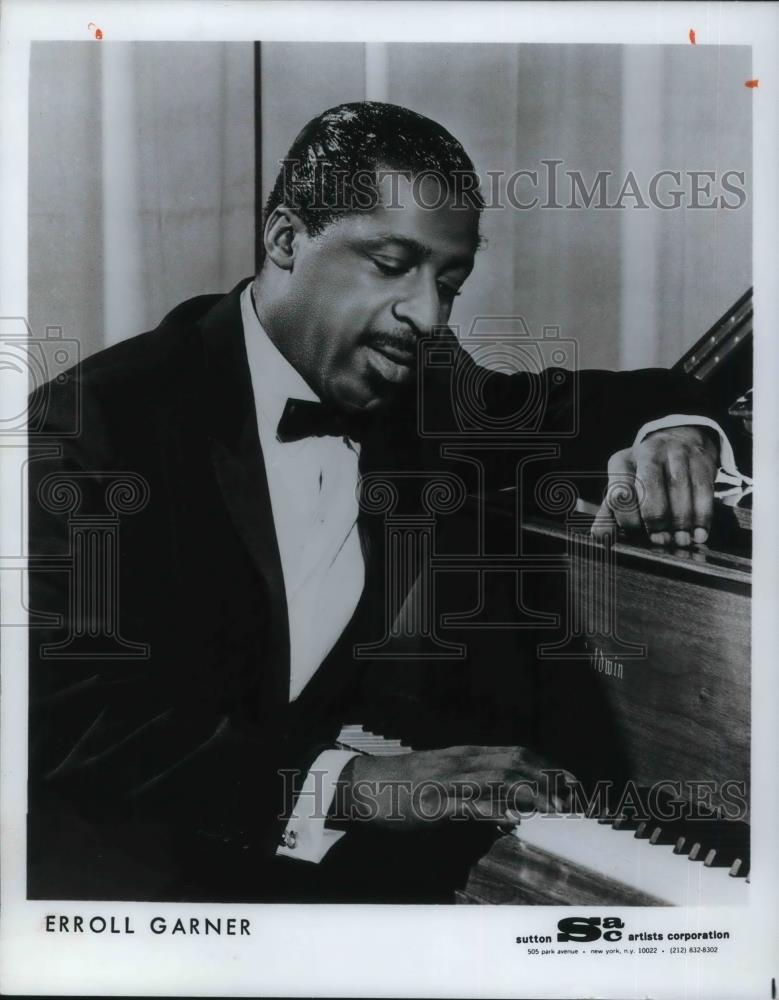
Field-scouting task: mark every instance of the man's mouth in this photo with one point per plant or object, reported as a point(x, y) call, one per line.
point(401, 349)
point(399, 353)
point(390, 361)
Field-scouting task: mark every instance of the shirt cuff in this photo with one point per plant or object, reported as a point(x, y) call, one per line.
point(727, 460)
point(305, 836)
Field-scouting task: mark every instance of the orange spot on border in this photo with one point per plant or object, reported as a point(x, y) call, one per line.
point(692, 36)
point(98, 33)
point(751, 83)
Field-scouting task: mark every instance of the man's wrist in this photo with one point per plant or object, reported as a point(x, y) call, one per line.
point(723, 449)
point(709, 436)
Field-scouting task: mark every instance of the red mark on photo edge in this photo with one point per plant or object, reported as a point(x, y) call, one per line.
point(692, 36)
point(751, 83)
point(97, 32)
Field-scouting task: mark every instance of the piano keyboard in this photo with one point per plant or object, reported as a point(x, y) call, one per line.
point(354, 737)
point(678, 863)
point(668, 872)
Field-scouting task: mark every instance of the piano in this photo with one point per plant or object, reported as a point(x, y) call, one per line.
point(670, 689)
point(645, 686)
point(678, 712)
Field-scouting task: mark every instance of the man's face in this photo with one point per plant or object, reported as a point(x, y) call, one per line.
point(363, 291)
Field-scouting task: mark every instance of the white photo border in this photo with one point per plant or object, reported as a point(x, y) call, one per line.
point(343, 950)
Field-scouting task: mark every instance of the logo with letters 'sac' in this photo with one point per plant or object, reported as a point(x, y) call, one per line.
point(584, 930)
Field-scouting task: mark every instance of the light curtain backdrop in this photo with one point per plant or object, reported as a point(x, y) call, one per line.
point(141, 181)
point(142, 176)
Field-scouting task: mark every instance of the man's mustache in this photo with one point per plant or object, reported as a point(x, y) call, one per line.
point(400, 340)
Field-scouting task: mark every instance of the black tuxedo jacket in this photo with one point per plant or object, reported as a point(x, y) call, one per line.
point(161, 774)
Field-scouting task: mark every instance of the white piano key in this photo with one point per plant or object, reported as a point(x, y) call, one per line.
point(355, 737)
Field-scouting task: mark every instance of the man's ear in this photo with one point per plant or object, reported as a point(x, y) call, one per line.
point(282, 236)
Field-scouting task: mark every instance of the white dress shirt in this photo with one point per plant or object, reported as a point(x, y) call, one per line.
point(313, 492)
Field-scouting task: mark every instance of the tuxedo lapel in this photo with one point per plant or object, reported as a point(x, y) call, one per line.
point(239, 466)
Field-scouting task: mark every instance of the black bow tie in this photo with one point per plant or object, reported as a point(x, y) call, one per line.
point(304, 418)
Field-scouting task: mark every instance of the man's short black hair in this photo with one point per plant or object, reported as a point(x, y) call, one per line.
point(333, 166)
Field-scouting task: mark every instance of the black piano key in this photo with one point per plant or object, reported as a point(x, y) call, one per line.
point(722, 840)
point(625, 823)
point(667, 832)
point(682, 845)
point(719, 831)
point(607, 817)
point(739, 869)
point(721, 858)
point(697, 839)
point(674, 832)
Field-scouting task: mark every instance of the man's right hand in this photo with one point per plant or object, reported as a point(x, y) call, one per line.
point(411, 791)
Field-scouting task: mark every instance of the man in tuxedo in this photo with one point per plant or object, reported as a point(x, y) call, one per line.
point(187, 687)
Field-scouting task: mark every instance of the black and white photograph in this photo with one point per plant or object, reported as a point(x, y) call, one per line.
point(379, 459)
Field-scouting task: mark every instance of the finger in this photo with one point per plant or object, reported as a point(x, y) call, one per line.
point(482, 762)
point(499, 759)
point(542, 790)
point(493, 811)
point(475, 750)
point(536, 796)
point(487, 759)
point(702, 474)
point(604, 524)
point(487, 810)
point(490, 765)
point(653, 498)
point(509, 822)
point(490, 793)
point(470, 797)
point(487, 795)
point(556, 790)
point(512, 818)
point(491, 781)
point(622, 494)
point(679, 492)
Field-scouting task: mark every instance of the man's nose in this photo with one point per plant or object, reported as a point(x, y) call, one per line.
point(419, 307)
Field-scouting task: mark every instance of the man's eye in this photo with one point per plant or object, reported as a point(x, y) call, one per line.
point(390, 267)
point(447, 291)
